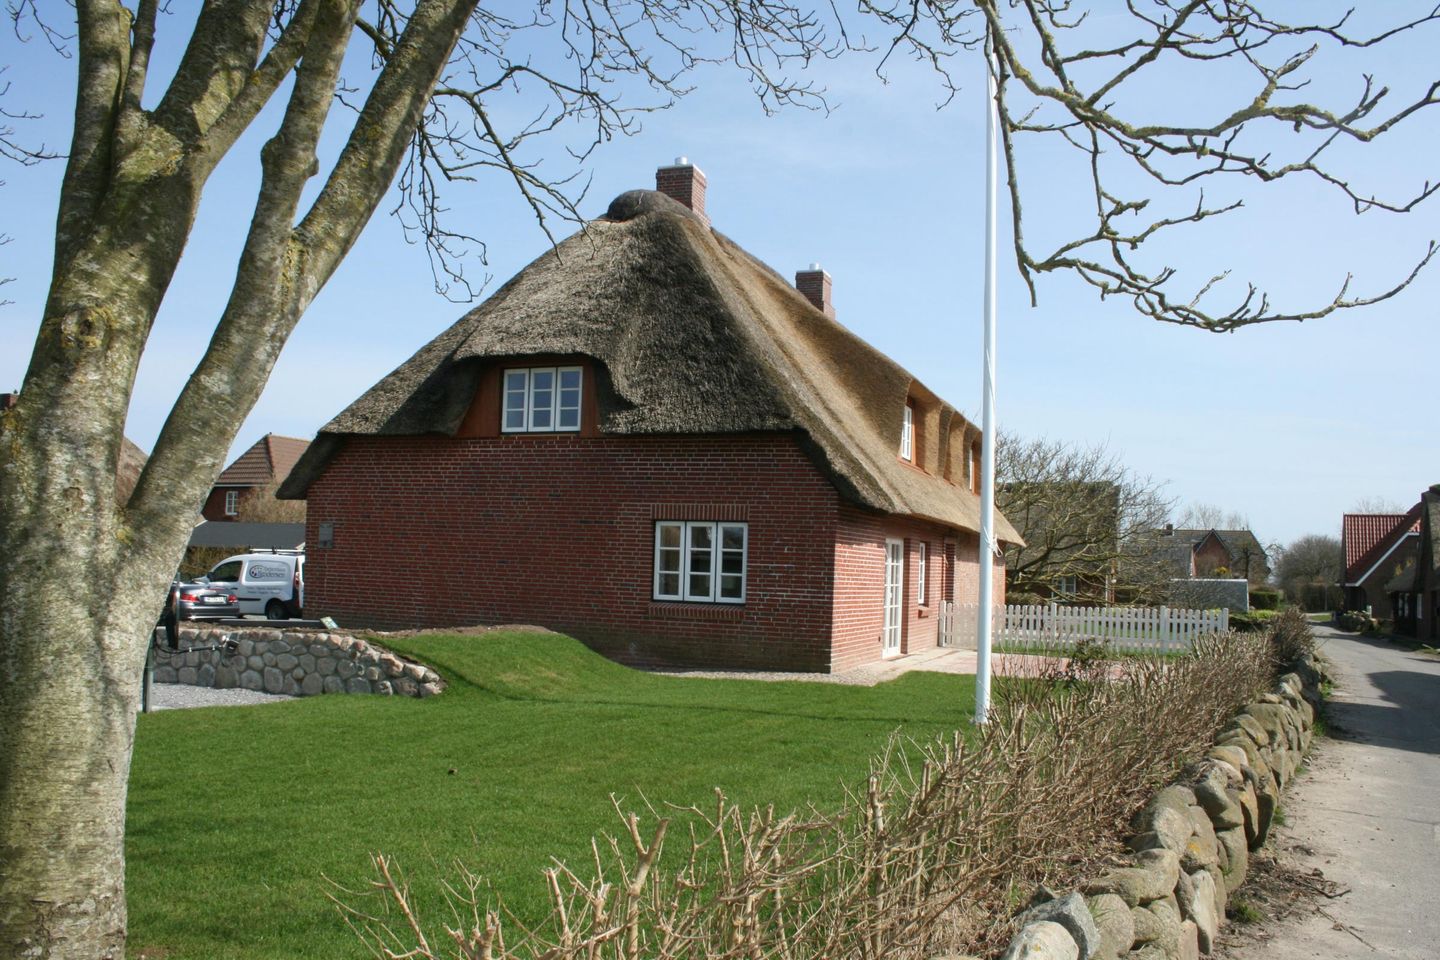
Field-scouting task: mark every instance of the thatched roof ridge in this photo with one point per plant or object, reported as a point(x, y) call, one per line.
point(693, 335)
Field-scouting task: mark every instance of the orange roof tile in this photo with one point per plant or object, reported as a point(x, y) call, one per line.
point(269, 460)
point(1368, 535)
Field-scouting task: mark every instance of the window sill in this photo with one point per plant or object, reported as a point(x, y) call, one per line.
point(680, 610)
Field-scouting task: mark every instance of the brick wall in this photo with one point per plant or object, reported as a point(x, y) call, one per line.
point(952, 573)
point(559, 531)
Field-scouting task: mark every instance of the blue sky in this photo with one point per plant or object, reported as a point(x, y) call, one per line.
point(1288, 424)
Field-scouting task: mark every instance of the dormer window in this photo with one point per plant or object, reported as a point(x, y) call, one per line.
point(907, 434)
point(541, 400)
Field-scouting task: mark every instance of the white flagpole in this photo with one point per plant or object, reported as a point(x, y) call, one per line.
point(986, 551)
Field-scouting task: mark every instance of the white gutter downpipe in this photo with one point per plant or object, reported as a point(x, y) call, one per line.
point(987, 547)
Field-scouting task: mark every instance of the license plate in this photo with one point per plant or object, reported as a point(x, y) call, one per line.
point(212, 599)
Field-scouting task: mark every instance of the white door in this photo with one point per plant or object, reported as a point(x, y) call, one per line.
point(894, 573)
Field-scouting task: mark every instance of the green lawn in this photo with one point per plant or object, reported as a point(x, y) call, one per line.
point(235, 813)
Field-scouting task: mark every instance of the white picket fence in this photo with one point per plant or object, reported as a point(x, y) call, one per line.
point(1050, 628)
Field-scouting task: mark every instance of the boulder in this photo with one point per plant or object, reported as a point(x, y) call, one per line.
point(1070, 912)
point(1044, 940)
point(1237, 857)
point(334, 684)
point(1201, 848)
point(357, 685)
point(1202, 910)
point(1212, 792)
point(1153, 876)
point(1234, 756)
point(274, 682)
point(1167, 816)
point(1158, 923)
point(312, 685)
point(1114, 924)
point(1189, 941)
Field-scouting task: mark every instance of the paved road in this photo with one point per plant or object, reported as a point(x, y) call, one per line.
point(1369, 809)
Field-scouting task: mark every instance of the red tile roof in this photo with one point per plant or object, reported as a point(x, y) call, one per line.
point(1366, 536)
point(268, 461)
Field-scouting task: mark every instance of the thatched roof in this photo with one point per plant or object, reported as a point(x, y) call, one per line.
point(694, 336)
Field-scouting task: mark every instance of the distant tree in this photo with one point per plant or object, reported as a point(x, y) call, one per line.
point(1207, 516)
point(261, 506)
point(1079, 508)
point(1376, 505)
point(1312, 561)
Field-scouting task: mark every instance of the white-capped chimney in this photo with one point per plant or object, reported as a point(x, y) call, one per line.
point(814, 284)
point(685, 182)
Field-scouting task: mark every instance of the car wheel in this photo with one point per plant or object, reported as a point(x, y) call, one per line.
point(275, 610)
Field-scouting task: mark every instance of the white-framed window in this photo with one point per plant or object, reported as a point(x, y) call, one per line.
point(907, 434)
point(541, 400)
point(700, 560)
point(1067, 585)
point(232, 502)
point(922, 569)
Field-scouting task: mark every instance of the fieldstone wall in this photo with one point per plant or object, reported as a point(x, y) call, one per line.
point(1191, 846)
point(301, 663)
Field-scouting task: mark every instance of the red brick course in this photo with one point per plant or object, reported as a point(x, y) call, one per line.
point(558, 530)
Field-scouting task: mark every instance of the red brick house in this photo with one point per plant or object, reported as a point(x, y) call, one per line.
point(1377, 546)
point(268, 461)
point(1415, 591)
point(651, 441)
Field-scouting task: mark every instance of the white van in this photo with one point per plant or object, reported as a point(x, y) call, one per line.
point(271, 584)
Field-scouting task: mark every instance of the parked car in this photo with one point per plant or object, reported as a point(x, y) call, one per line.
point(201, 601)
point(270, 584)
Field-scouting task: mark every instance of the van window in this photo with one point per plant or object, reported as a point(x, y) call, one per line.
point(227, 572)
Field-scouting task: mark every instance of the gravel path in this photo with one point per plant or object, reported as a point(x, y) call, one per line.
point(179, 696)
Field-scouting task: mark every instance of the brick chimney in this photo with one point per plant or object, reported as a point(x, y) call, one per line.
point(814, 283)
point(685, 182)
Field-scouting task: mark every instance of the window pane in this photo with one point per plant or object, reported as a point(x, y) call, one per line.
point(669, 584)
point(732, 588)
point(670, 535)
point(542, 399)
point(699, 586)
point(542, 379)
point(515, 419)
point(732, 537)
point(540, 419)
point(569, 416)
point(732, 561)
point(570, 378)
point(668, 560)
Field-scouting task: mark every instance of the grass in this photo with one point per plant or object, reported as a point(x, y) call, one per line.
point(237, 813)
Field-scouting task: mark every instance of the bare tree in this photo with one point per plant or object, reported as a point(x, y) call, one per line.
point(1376, 505)
point(81, 579)
point(261, 506)
point(1207, 516)
point(1312, 561)
point(1080, 510)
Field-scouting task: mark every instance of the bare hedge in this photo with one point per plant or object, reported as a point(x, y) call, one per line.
point(934, 853)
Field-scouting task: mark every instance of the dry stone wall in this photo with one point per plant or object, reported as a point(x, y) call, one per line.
point(300, 663)
point(1191, 845)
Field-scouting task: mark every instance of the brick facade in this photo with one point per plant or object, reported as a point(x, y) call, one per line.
point(558, 530)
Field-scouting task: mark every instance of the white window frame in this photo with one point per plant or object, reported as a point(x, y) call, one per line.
point(1067, 580)
point(529, 409)
point(232, 503)
point(716, 530)
point(907, 434)
point(921, 572)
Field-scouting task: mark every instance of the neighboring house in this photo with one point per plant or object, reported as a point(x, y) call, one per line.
point(1377, 547)
point(1415, 593)
point(263, 466)
point(1071, 535)
point(651, 441)
point(1213, 554)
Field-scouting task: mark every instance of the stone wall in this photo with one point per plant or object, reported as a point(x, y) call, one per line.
point(300, 663)
point(1191, 846)
point(1201, 594)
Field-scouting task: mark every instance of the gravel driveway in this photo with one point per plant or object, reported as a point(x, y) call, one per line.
point(178, 696)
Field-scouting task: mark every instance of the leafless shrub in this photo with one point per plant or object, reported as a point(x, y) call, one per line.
point(1291, 636)
point(935, 852)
